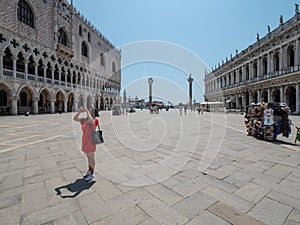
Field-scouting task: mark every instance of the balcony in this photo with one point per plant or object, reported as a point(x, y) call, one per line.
point(64, 50)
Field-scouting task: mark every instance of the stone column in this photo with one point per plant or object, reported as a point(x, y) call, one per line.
point(150, 82)
point(45, 71)
point(14, 66)
point(258, 67)
point(281, 65)
point(297, 53)
point(75, 106)
point(36, 72)
point(243, 101)
point(243, 73)
point(282, 98)
point(272, 63)
point(26, 69)
point(258, 96)
point(285, 60)
point(237, 72)
point(59, 76)
point(269, 95)
point(52, 76)
point(14, 105)
point(250, 70)
point(236, 101)
point(190, 80)
point(36, 106)
point(65, 106)
point(297, 98)
point(269, 64)
point(250, 98)
point(52, 106)
point(1, 64)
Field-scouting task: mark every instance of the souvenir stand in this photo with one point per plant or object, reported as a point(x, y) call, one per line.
point(267, 120)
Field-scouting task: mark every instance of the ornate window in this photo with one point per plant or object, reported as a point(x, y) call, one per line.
point(247, 72)
point(276, 61)
point(25, 13)
point(290, 56)
point(62, 37)
point(264, 66)
point(84, 49)
point(254, 69)
point(240, 75)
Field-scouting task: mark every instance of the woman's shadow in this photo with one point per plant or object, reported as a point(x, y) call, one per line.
point(76, 187)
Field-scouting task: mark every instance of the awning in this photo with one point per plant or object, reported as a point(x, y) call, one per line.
point(211, 103)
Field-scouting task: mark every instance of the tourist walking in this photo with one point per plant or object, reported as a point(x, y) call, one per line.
point(88, 124)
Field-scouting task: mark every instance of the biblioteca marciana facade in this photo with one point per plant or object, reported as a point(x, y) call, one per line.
point(267, 71)
point(52, 59)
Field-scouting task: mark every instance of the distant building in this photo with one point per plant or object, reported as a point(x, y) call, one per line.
point(52, 59)
point(266, 71)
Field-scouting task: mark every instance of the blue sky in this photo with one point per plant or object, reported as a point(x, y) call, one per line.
point(210, 29)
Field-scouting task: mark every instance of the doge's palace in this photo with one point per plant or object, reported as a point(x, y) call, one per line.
point(53, 59)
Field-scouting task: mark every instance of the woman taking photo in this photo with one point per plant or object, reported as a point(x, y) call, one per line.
point(88, 124)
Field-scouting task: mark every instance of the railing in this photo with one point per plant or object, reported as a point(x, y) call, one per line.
point(62, 83)
point(274, 74)
point(48, 81)
point(41, 79)
point(287, 70)
point(31, 77)
point(8, 72)
point(20, 75)
point(56, 82)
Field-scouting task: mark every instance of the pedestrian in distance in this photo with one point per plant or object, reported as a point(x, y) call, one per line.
point(88, 124)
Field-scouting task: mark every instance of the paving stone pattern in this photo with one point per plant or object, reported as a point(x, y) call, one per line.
point(152, 169)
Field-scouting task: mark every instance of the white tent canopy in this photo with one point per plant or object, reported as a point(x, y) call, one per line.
point(211, 103)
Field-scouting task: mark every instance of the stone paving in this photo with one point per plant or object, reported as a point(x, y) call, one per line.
point(152, 169)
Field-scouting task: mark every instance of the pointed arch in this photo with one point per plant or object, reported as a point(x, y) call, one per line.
point(84, 49)
point(7, 59)
point(63, 37)
point(31, 90)
point(45, 89)
point(64, 94)
point(71, 100)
